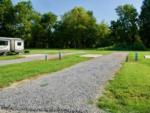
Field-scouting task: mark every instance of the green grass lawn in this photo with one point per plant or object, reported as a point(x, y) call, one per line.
point(16, 72)
point(129, 91)
point(55, 51)
point(43, 51)
point(10, 57)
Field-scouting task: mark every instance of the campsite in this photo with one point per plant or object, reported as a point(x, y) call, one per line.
point(74, 61)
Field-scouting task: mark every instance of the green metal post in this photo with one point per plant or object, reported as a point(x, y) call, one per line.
point(136, 56)
point(60, 56)
point(46, 57)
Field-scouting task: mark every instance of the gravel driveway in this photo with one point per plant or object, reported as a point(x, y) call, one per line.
point(72, 90)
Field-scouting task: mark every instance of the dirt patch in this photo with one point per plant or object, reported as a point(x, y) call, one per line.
point(147, 56)
point(92, 55)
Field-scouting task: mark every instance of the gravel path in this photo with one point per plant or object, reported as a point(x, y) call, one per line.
point(71, 90)
point(31, 58)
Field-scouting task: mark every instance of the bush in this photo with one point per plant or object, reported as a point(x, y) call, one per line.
point(11, 53)
point(122, 46)
point(138, 44)
point(26, 51)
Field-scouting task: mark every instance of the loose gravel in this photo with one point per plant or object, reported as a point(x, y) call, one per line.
point(72, 90)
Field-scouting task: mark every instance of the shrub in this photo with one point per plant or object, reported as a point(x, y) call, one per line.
point(138, 44)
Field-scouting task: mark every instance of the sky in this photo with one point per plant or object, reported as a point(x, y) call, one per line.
point(103, 10)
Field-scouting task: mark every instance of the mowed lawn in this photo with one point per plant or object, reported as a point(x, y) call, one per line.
point(56, 51)
point(10, 57)
point(16, 72)
point(129, 91)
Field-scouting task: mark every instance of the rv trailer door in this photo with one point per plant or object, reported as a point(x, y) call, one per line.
point(12, 45)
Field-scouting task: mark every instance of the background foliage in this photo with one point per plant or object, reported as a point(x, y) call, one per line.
point(77, 28)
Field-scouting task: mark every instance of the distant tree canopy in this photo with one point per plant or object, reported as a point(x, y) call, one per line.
point(103, 32)
point(42, 30)
point(23, 21)
point(145, 23)
point(77, 28)
point(6, 18)
point(125, 30)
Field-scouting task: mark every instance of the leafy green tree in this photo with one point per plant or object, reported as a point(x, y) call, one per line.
point(145, 22)
point(42, 31)
point(23, 18)
point(61, 35)
point(125, 29)
point(77, 27)
point(48, 21)
point(103, 35)
point(6, 18)
point(37, 30)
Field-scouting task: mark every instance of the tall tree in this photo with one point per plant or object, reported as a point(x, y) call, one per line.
point(125, 29)
point(23, 17)
point(103, 35)
point(78, 28)
point(145, 22)
point(43, 30)
point(6, 18)
point(36, 30)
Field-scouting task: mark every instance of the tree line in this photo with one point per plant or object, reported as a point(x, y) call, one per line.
point(77, 28)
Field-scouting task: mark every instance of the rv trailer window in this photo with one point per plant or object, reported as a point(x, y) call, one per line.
point(19, 43)
point(3, 43)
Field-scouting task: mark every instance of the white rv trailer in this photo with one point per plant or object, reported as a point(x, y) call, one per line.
point(11, 45)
